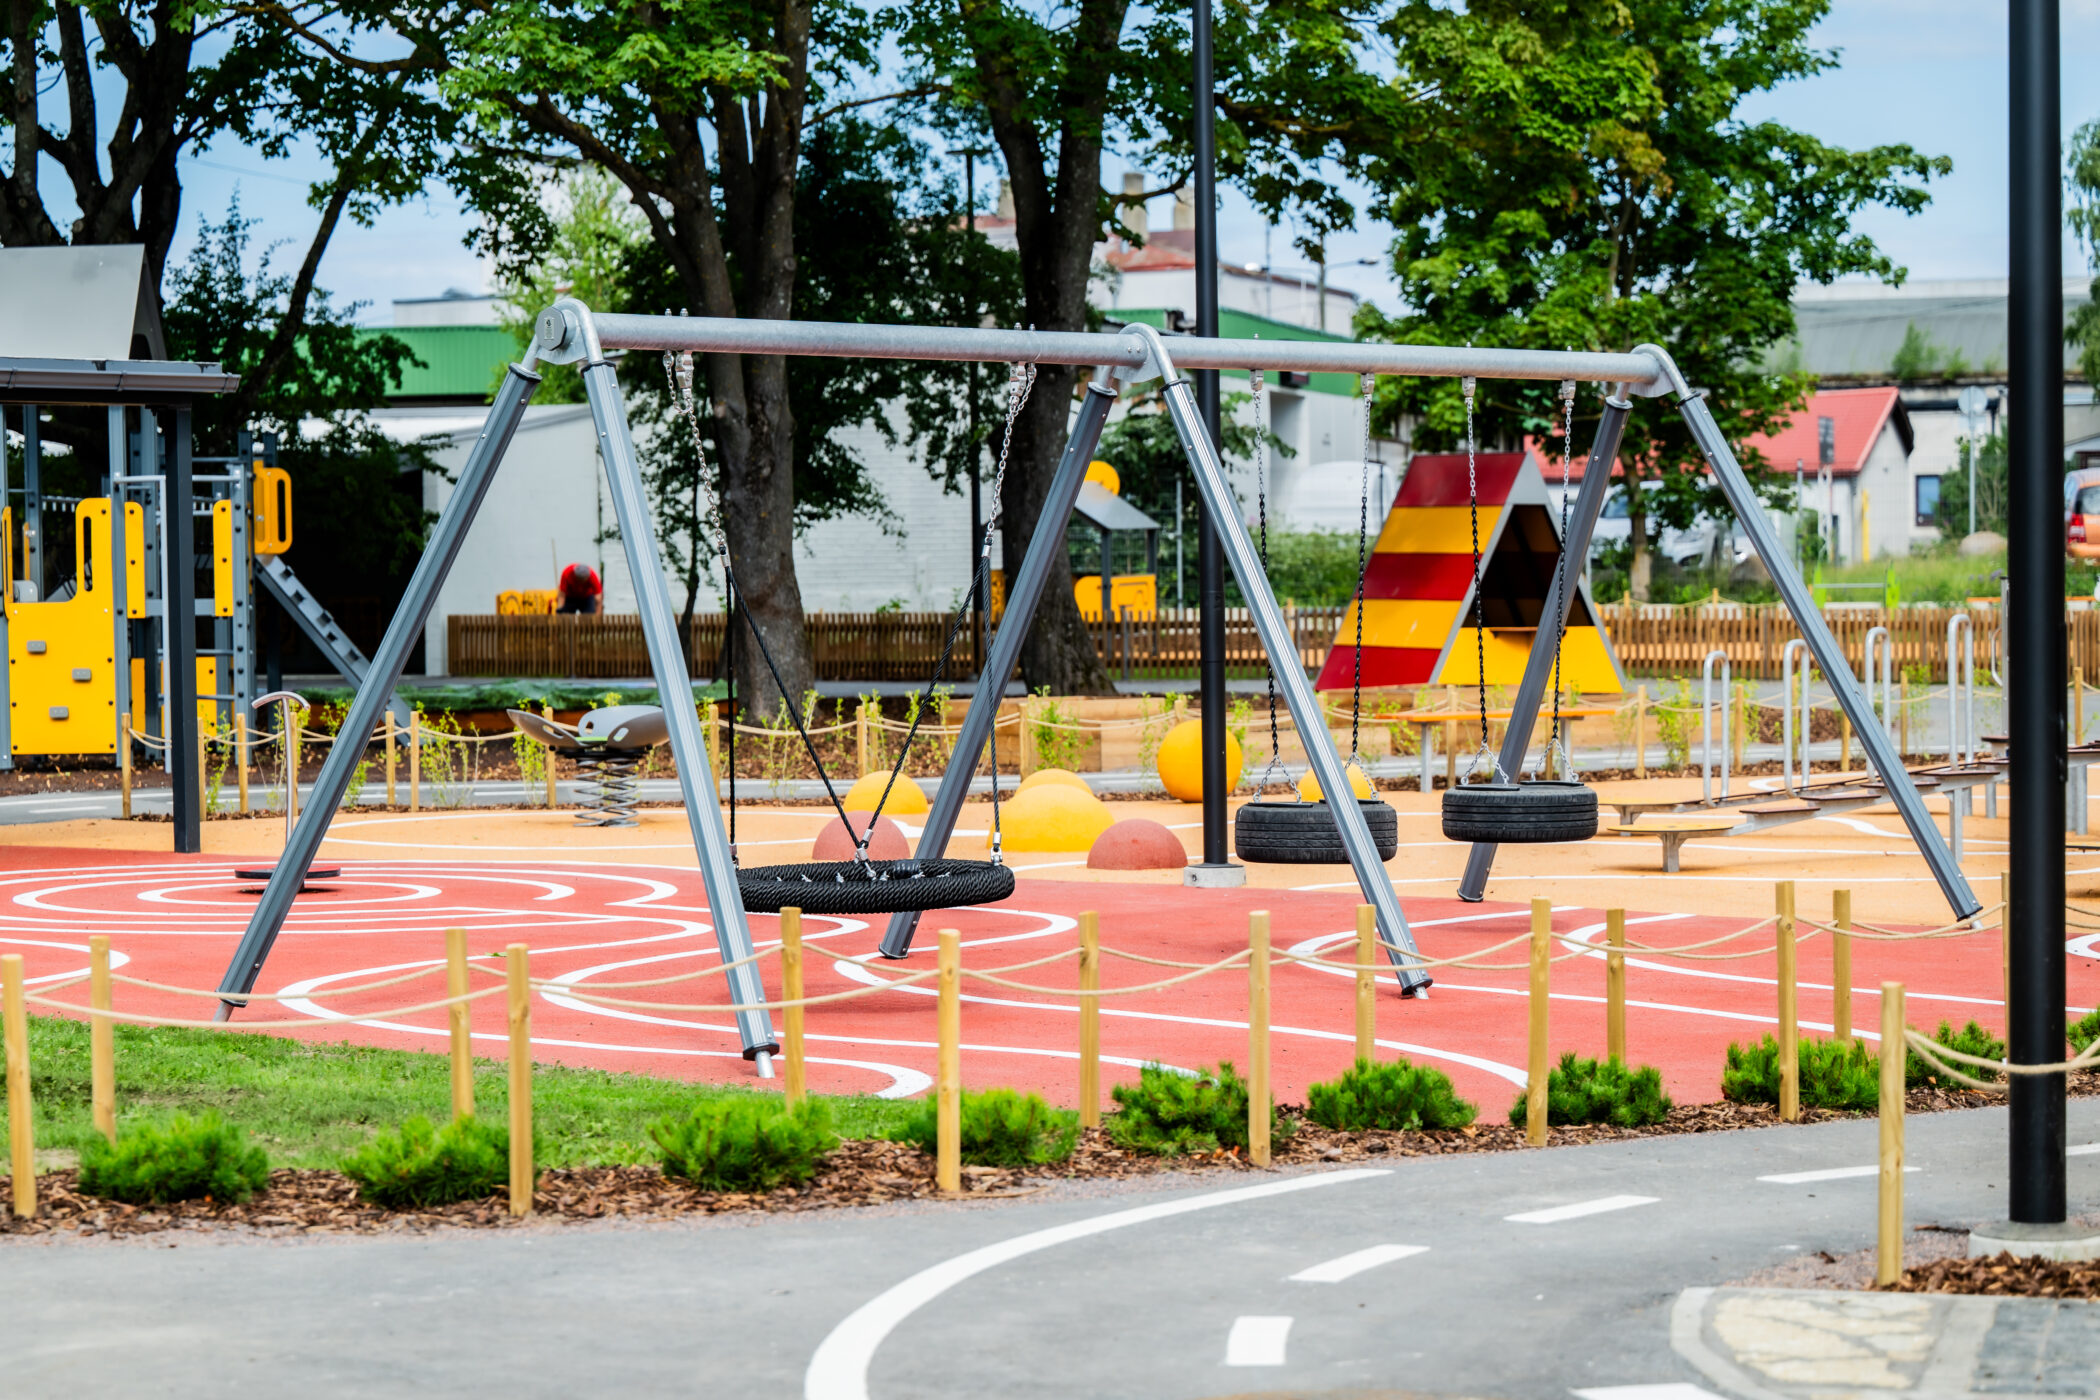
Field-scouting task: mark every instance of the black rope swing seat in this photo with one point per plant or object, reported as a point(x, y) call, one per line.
point(1538, 810)
point(860, 885)
point(1298, 832)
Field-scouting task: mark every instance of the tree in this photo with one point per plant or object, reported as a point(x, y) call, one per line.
point(592, 236)
point(2082, 216)
point(1575, 175)
point(1952, 512)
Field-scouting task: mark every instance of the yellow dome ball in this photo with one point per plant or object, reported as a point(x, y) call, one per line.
point(1181, 761)
point(1052, 817)
point(906, 798)
point(1053, 777)
point(1309, 785)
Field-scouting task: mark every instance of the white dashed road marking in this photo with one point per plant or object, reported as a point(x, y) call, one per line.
point(1257, 1341)
point(1827, 1174)
point(1669, 1390)
point(1350, 1265)
point(2084, 1149)
point(1553, 1215)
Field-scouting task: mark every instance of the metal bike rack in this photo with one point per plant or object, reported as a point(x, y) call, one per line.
point(1706, 725)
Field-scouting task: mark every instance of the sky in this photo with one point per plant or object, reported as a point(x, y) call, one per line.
point(1927, 72)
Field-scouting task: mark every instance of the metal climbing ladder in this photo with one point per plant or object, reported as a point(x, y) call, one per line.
point(320, 626)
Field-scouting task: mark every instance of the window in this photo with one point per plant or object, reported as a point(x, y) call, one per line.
point(1928, 488)
point(2088, 501)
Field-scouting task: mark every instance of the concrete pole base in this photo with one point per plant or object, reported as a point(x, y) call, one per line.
point(2066, 1242)
point(1228, 876)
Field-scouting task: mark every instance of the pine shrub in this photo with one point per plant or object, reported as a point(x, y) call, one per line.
point(1971, 1039)
point(1395, 1095)
point(1834, 1074)
point(418, 1166)
point(1168, 1114)
point(2084, 1031)
point(745, 1142)
point(1600, 1091)
point(1000, 1128)
point(181, 1159)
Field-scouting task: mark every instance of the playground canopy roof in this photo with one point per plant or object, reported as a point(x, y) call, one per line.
point(37, 381)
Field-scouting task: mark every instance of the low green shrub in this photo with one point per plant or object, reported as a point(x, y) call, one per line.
point(1600, 1091)
point(745, 1143)
point(2084, 1031)
point(418, 1165)
point(1168, 1114)
point(1971, 1039)
point(1395, 1095)
point(1000, 1128)
point(179, 1159)
point(1834, 1074)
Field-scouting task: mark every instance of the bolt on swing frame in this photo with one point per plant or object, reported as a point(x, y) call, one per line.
point(569, 332)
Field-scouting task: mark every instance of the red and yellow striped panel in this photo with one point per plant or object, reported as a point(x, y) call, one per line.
point(1439, 479)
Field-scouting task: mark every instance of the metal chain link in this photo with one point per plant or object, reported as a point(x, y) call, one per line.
point(1468, 385)
point(1561, 585)
point(1369, 384)
point(1258, 383)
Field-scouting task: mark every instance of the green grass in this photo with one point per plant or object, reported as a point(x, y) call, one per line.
point(309, 1103)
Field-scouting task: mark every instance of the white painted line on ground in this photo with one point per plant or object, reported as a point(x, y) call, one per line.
point(2084, 1149)
point(839, 1370)
point(1553, 1215)
point(1257, 1341)
point(1826, 1174)
point(1350, 1265)
point(1669, 1390)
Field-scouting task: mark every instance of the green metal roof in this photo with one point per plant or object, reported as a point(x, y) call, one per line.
point(459, 362)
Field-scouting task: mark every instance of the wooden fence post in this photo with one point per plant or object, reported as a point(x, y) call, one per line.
point(1539, 1068)
point(102, 1050)
point(415, 760)
point(521, 1173)
point(1841, 966)
point(1258, 1038)
point(1640, 731)
point(391, 762)
point(1615, 985)
point(124, 760)
point(1789, 1028)
point(947, 1084)
point(1366, 989)
point(797, 1080)
point(1089, 1019)
point(240, 754)
point(1888, 1255)
point(457, 1016)
point(21, 1114)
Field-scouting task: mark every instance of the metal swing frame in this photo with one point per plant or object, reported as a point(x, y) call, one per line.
point(570, 333)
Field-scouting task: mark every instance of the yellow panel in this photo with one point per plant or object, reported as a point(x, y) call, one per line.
point(62, 685)
point(7, 557)
point(1584, 662)
point(273, 510)
point(134, 559)
point(1137, 592)
point(207, 684)
point(222, 558)
point(1435, 530)
point(1400, 622)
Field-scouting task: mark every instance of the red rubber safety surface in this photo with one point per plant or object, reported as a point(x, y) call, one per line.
point(176, 920)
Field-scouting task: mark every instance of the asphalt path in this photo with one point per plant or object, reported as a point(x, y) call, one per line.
point(1520, 1275)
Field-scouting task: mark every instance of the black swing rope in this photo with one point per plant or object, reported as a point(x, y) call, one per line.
point(1560, 578)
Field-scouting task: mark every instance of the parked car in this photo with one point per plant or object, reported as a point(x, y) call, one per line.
point(2082, 513)
point(1683, 547)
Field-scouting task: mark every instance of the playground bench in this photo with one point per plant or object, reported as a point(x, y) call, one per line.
point(1674, 834)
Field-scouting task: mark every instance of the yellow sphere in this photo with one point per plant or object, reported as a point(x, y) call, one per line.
point(1309, 785)
point(1052, 777)
point(906, 798)
point(1052, 817)
point(1181, 761)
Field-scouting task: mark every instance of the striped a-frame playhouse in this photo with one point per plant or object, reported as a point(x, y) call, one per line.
point(1418, 584)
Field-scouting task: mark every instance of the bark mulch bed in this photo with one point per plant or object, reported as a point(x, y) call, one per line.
point(2003, 1276)
point(859, 1173)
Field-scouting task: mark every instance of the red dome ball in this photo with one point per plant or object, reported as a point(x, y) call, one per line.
point(1136, 843)
point(835, 842)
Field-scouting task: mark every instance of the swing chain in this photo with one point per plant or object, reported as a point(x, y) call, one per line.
point(1369, 385)
point(1557, 746)
point(1258, 384)
point(1468, 385)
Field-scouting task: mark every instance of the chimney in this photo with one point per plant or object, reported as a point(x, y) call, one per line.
point(1006, 199)
point(1133, 183)
point(1185, 207)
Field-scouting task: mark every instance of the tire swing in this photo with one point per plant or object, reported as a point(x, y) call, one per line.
point(1299, 832)
point(1502, 812)
point(858, 885)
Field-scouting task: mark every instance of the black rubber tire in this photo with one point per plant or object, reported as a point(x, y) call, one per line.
point(1305, 833)
point(899, 886)
point(1520, 814)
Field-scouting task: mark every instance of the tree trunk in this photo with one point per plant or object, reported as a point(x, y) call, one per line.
point(1058, 651)
point(1640, 568)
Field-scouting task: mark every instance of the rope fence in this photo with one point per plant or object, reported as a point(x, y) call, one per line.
point(1257, 959)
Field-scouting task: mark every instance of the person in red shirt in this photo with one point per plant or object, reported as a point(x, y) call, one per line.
point(580, 589)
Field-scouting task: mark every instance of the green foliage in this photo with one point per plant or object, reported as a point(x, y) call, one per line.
point(417, 1165)
point(1059, 741)
point(1971, 1039)
point(1951, 514)
point(2083, 1031)
point(1600, 1091)
point(1000, 1128)
point(745, 1142)
point(1676, 715)
point(180, 1159)
point(592, 234)
point(1922, 357)
point(1834, 1074)
point(1169, 1114)
point(1395, 1095)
